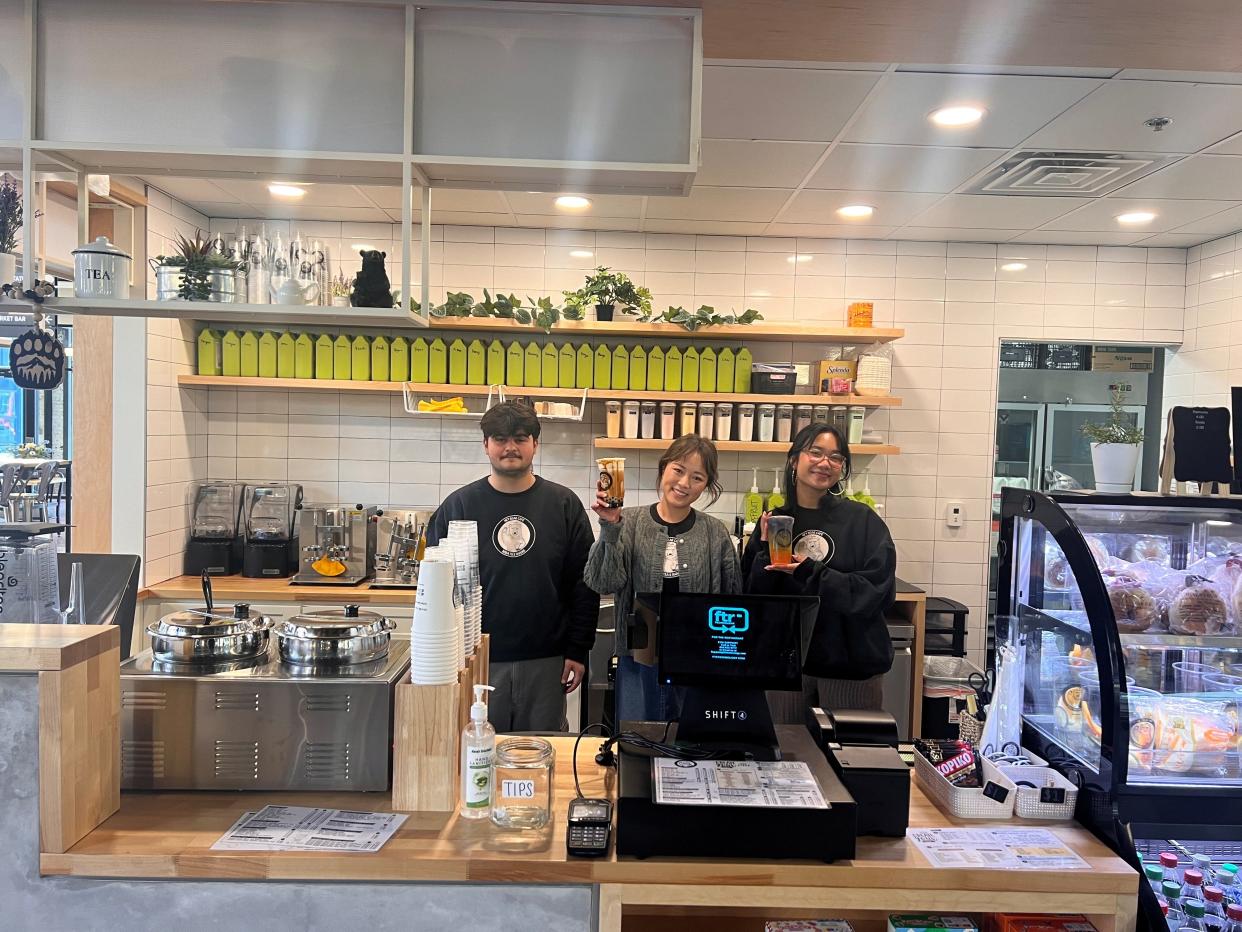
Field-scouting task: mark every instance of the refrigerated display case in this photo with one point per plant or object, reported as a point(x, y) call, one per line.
point(1128, 611)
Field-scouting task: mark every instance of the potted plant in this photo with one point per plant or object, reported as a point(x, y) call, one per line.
point(606, 290)
point(10, 228)
point(1114, 448)
point(339, 289)
point(31, 450)
point(198, 271)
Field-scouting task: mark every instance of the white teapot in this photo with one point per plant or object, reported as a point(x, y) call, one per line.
point(291, 291)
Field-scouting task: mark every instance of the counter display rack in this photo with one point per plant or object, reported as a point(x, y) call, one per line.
point(1128, 612)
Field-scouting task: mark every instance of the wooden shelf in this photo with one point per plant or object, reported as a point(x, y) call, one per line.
point(334, 385)
point(739, 446)
point(275, 316)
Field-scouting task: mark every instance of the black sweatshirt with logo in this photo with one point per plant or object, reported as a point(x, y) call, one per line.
point(533, 546)
point(852, 566)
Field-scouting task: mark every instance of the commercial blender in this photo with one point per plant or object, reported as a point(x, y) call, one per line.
point(336, 545)
point(214, 546)
point(399, 547)
point(270, 549)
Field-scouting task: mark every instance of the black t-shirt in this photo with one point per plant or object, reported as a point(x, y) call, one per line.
point(681, 527)
point(533, 546)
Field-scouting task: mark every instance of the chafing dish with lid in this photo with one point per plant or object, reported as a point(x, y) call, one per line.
point(348, 636)
point(203, 636)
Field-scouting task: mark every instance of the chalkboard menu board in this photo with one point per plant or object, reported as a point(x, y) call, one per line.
point(1066, 356)
point(1018, 355)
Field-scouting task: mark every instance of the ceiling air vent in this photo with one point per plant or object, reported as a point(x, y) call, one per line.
point(1067, 174)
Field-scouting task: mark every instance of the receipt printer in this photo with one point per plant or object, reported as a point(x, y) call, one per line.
point(861, 746)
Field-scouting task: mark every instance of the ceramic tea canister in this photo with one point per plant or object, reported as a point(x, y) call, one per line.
point(100, 270)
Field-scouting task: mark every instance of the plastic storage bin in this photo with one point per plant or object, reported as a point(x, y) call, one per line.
point(967, 802)
point(945, 632)
point(946, 684)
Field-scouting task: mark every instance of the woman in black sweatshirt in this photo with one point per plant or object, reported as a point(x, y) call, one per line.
point(844, 554)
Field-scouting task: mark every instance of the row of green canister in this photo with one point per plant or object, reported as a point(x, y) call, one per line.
point(380, 359)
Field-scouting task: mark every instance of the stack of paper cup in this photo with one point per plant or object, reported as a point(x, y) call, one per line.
point(464, 536)
point(435, 639)
point(446, 552)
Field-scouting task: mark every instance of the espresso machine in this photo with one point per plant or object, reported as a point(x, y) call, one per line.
point(400, 540)
point(214, 546)
point(336, 545)
point(270, 549)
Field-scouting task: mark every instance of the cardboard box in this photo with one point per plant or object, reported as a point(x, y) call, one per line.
point(827, 370)
point(930, 922)
point(1031, 922)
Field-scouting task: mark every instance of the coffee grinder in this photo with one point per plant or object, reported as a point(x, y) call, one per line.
point(214, 547)
point(270, 550)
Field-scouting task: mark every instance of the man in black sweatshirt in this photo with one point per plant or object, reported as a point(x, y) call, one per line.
point(534, 538)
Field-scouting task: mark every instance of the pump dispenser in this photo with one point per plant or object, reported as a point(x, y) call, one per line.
point(752, 505)
point(776, 499)
point(478, 753)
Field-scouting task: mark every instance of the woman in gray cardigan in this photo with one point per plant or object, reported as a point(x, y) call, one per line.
point(667, 544)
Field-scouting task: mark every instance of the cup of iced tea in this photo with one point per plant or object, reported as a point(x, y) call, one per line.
point(780, 539)
point(612, 480)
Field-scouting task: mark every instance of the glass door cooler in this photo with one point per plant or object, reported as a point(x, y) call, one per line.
point(1128, 609)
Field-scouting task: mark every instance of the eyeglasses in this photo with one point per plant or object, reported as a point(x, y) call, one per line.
point(817, 456)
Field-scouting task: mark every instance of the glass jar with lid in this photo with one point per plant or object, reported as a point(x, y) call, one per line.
point(523, 776)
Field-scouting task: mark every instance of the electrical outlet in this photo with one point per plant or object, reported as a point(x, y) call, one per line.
point(953, 516)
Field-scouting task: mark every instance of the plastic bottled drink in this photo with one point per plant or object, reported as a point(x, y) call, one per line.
point(1192, 885)
point(1227, 880)
point(1171, 890)
point(1194, 916)
point(1168, 862)
point(1214, 907)
point(1155, 876)
point(1203, 864)
point(1233, 914)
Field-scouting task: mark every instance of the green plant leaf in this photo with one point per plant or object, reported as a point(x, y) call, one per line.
point(522, 315)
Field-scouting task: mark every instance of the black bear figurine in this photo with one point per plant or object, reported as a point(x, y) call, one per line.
point(371, 287)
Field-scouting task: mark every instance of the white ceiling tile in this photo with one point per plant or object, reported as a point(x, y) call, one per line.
point(1197, 77)
point(387, 197)
point(317, 195)
point(1230, 146)
point(1176, 240)
point(192, 191)
point(1221, 224)
point(221, 208)
point(751, 164)
point(829, 231)
point(470, 218)
point(1066, 238)
point(731, 228)
point(780, 103)
point(1035, 70)
point(567, 223)
point(891, 208)
point(1198, 176)
point(1111, 119)
point(602, 205)
point(463, 199)
point(740, 204)
point(956, 234)
point(994, 212)
point(901, 168)
point(1017, 106)
point(301, 212)
point(1101, 215)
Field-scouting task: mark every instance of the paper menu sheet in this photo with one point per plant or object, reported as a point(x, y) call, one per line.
point(298, 828)
point(995, 849)
point(772, 784)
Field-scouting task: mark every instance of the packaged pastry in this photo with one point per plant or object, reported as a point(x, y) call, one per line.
point(1148, 550)
point(1190, 737)
point(1198, 609)
point(1133, 606)
point(1056, 572)
point(1099, 550)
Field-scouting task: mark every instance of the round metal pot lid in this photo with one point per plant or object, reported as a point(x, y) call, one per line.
point(101, 246)
point(335, 624)
point(198, 622)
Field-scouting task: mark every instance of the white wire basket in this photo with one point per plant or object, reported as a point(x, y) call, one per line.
point(410, 396)
point(967, 802)
point(1029, 803)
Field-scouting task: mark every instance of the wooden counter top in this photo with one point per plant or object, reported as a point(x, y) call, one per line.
point(39, 648)
point(169, 835)
point(239, 588)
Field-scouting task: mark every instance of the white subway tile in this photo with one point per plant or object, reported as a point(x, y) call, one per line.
point(871, 247)
point(1121, 273)
point(525, 255)
point(675, 241)
point(518, 236)
point(616, 240)
point(1072, 253)
point(868, 289)
point(1120, 254)
point(670, 260)
point(767, 263)
point(1107, 295)
point(1065, 293)
point(769, 286)
point(908, 248)
point(870, 266)
point(919, 289)
point(313, 469)
point(920, 266)
point(807, 244)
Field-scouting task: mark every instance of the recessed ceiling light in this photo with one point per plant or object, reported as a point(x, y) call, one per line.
point(957, 116)
point(1136, 217)
point(581, 253)
point(855, 211)
point(799, 258)
point(572, 202)
point(1013, 266)
point(285, 190)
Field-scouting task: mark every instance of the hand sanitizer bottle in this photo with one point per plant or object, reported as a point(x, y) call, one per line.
point(478, 753)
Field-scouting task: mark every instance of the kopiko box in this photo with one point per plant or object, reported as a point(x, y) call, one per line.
point(835, 376)
point(808, 925)
point(930, 922)
point(1030, 922)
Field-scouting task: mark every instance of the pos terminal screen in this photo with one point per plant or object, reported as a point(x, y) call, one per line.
point(741, 641)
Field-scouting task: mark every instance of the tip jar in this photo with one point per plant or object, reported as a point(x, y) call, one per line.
point(522, 783)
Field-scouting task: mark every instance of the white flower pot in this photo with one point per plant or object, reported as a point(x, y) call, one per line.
point(8, 268)
point(1115, 466)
